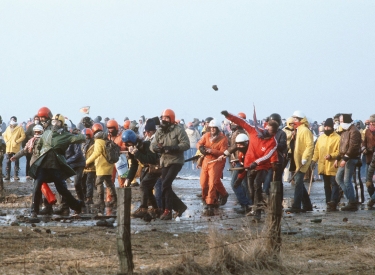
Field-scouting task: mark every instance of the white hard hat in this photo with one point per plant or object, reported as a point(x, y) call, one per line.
point(298, 114)
point(242, 138)
point(38, 128)
point(214, 123)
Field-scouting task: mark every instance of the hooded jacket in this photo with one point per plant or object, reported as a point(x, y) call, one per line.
point(304, 146)
point(55, 144)
point(13, 138)
point(261, 151)
point(326, 145)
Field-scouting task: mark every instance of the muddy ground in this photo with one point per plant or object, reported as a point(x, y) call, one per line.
point(228, 243)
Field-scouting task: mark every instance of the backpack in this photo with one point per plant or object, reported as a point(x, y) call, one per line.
point(112, 151)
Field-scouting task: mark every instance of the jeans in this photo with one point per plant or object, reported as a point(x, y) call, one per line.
point(300, 193)
point(52, 175)
point(16, 164)
point(344, 178)
point(241, 191)
point(331, 189)
point(267, 182)
point(169, 198)
point(88, 181)
point(158, 192)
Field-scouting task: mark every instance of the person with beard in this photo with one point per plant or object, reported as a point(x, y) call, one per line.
point(170, 141)
point(239, 185)
point(51, 164)
point(29, 135)
point(325, 153)
point(260, 156)
point(349, 153)
point(212, 145)
point(103, 168)
point(13, 137)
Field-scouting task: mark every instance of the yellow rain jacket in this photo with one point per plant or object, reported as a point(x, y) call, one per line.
point(326, 145)
point(304, 146)
point(103, 167)
point(13, 138)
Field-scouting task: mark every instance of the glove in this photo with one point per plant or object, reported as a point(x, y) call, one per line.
point(202, 149)
point(237, 183)
point(253, 165)
point(304, 161)
point(225, 113)
point(158, 149)
point(171, 149)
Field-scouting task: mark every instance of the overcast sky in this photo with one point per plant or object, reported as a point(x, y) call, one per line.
point(133, 58)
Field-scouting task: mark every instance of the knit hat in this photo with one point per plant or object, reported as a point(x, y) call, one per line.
point(347, 118)
point(13, 118)
point(150, 125)
point(329, 122)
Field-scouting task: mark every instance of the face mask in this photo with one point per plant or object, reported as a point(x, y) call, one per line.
point(113, 132)
point(164, 124)
point(242, 149)
point(297, 124)
point(328, 132)
point(56, 128)
point(345, 126)
point(36, 122)
point(233, 127)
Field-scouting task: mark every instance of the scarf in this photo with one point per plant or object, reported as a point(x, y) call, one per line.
point(30, 144)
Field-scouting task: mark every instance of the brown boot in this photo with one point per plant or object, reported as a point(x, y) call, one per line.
point(139, 213)
point(351, 206)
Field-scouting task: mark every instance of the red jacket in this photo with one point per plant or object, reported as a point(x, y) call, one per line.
point(261, 151)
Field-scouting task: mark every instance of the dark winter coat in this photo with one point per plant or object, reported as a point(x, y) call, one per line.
point(74, 156)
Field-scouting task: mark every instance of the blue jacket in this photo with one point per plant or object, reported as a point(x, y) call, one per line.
point(74, 156)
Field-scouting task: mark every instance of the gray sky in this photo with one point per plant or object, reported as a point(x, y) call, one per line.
point(133, 58)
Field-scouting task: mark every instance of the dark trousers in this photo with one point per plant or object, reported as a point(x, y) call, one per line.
point(28, 158)
point(331, 189)
point(16, 164)
point(148, 182)
point(88, 181)
point(52, 175)
point(169, 198)
point(78, 182)
point(107, 179)
point(256, 179)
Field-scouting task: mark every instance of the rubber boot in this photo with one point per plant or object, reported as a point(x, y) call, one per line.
point(47, 210)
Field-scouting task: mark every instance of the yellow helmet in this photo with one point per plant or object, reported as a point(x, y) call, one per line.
point(59, 117)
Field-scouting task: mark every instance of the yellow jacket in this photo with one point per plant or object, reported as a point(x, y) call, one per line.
point(304, 146)
point(103, 167)
point(326, 145)
point(13, 138)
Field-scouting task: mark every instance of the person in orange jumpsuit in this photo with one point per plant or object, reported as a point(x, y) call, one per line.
point(115, 134)
point(212, 145)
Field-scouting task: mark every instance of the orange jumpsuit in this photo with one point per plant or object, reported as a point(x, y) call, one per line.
point(118, 140)
point(210, 178)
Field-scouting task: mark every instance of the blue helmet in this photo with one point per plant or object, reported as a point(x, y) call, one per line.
point(129, 136)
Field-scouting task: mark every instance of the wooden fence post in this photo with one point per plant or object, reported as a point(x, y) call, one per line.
point(124, 248)
point(274, 216)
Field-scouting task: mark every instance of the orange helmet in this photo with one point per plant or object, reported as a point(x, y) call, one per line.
point(87, 131)
point(44, 112)
point(96, 128)
point(169, 113)
point(112, 124)
point(242, 115)
point(126, 124)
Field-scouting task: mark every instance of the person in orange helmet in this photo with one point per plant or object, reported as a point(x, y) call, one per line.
point(212, 145)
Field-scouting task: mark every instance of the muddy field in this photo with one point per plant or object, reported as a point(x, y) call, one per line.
point(228, 243)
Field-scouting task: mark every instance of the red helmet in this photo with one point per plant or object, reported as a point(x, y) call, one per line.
point(44, 112)
point(87, 132)
point(126, 124)
point(242, 115)
point(96, 128)
point(112, 124)
point(169, 113)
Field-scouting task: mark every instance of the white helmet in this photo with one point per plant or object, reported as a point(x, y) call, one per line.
point(214, 123)
point(298, 114)
point(38, 128)
point(242, 138)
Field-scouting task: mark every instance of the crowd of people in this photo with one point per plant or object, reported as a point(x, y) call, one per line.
point(157, 148)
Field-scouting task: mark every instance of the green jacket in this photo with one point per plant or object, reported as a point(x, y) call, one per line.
point(175, 135)
point(58, 143)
